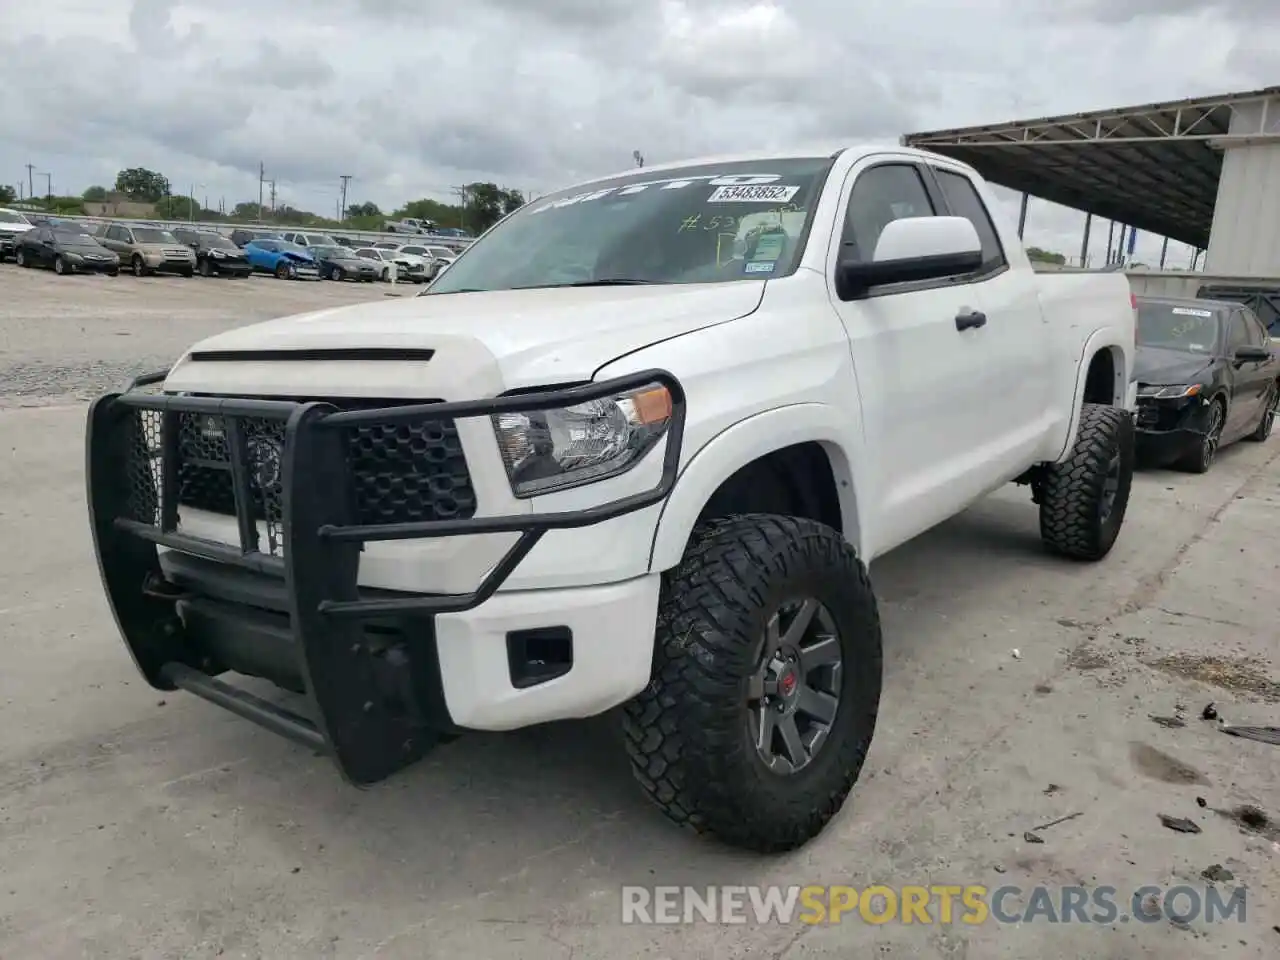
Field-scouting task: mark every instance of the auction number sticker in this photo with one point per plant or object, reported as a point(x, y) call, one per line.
point(1190, 312)
point(753, 193)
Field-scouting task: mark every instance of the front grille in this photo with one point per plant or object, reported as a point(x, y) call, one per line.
point(402, 473)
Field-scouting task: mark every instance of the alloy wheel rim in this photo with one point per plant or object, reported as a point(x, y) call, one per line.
point(794, 695)
point(1211, 437)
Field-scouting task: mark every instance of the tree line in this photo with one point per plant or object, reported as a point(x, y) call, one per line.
point(483, 204)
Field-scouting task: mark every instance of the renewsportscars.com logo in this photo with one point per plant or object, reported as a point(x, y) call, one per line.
point(971, 904)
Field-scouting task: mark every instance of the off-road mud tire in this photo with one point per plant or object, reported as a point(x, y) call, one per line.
point(687, 732)
point(1072, 519)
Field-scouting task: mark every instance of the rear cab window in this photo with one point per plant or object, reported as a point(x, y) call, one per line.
point(964, 200)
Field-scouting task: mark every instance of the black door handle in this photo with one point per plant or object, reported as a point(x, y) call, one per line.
point(974, 318)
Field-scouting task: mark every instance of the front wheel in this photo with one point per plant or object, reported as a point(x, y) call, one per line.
point(206, 268)
point(285, 271)
point(338, 274)
point(1201, 459)
point(766, 683)
point(1268, 420)
point(20, 258)
point(1083, 499)
point(59, 265)
point(386, 275)
point(139, 268)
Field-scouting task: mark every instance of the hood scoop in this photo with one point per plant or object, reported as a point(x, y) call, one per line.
point(348, 354)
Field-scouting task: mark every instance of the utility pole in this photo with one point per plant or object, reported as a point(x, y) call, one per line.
point(262, 176)
point(342, 207)
point(463, 195)
point(31, 183)
point(273, 197)
point(48, 190)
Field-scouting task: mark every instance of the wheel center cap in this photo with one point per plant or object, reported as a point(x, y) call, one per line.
point(788, 682)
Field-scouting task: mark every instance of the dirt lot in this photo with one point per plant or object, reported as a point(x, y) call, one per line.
point(1019, 690)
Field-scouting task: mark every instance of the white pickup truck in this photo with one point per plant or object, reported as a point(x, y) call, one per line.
point(634, 449)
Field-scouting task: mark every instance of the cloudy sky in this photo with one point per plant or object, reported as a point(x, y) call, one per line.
point(412, 97)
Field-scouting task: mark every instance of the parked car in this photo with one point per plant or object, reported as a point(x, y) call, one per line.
point(148, 250)
point(310, 239)
point(408, 269)
point(286, 261)
point(408, 225)
point(13, 224)
point(65, 249)
point(215, 254)
point(692, 459)
point(436, 257)
point(243, 235)
point(1207, 375)
point(339, 263)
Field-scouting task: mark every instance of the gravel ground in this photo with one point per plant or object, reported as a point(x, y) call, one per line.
point(1038, 717)
point(70, 338)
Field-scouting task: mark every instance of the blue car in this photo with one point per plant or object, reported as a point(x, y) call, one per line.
point(288, 261)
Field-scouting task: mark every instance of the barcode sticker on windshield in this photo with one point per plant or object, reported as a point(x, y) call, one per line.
point(753, 193)
point(1189, 312)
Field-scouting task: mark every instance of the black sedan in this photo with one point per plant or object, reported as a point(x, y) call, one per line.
point(65, 248)
point(1207, 376)
point(339, 263)
point(215, 254)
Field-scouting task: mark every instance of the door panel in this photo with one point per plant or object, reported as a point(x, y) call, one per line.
point(1018, 364)
point(923, 382)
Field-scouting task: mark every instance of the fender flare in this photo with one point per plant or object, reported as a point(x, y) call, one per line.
point(1101, 339)
point(738, 445)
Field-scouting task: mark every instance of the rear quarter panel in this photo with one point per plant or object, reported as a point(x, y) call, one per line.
point(1088, 312)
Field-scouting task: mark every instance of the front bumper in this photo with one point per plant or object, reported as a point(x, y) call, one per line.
point(170, 264)
point(381, 673)
point(1167, 430)
point(85, 265)
point(227, 265)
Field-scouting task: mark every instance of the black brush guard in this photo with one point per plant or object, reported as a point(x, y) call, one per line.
point(371, 710)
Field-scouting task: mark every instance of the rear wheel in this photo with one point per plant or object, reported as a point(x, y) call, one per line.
point(1268, 415)
point(766, 683)
point(1083, 499)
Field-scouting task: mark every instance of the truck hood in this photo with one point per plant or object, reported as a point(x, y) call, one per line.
point(524, 338)
point(11, 228)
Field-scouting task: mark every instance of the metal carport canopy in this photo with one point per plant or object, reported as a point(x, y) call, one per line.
point(1154, 167)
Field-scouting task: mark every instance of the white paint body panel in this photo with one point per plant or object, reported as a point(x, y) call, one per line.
point(919, 421)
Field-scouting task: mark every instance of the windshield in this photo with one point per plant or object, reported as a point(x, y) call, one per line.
point(705, 224)
point(287, 247)
point(152, 235)
point(1173, 327)
point(73, 237)
point(8, 216)
point(217, 241)
point(331, 252)
point(441, 252)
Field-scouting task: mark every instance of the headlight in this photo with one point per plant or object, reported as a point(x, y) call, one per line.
point(549, 450)
point(1172, 392)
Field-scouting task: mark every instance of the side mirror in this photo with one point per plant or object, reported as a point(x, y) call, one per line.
point(910, 250)
point(1251, 354)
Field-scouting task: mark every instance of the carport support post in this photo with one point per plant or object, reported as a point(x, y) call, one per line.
point(1164, 251)
point(1111, 233)
point(1084, 244)
point(1022, 215)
